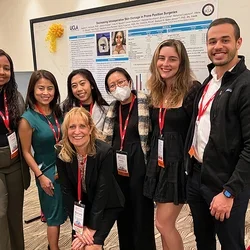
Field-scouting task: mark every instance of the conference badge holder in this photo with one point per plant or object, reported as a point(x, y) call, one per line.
point(78, 217)
point(192, 151)
point(160, 152)
point(12, 139)
point(122, 163)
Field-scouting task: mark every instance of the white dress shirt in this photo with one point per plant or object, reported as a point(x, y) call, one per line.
point(203, 126)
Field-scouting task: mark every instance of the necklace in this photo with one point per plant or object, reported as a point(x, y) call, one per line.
point(81, 159)
point(82, 166)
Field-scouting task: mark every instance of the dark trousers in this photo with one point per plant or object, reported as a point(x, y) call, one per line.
point(11, 211)
point(230, 232)
point(135, 223)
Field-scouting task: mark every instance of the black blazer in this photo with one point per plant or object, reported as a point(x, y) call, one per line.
point(102, 189)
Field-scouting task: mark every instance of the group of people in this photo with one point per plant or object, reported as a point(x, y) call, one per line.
point(99, 163)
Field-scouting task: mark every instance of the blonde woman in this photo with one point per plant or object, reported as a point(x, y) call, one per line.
point(172, 91)
point(85, 169)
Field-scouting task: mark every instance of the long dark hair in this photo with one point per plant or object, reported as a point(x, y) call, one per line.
point(123, 38)
point(10, 89)
point(72, 101)
point(30, 98)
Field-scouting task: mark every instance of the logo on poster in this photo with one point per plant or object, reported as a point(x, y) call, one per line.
point(73, 27)
point(208, 9)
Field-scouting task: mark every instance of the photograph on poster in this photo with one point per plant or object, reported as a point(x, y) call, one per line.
point(118, 42)
point(128, 39)
point(102, 44)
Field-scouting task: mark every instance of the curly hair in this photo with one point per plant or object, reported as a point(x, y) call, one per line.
point(30, 97)
point(183, 79)
point(10, 89)
point(72, 101)
point(67, 148)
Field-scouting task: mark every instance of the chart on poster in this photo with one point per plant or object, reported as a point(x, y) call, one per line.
point(128, 37)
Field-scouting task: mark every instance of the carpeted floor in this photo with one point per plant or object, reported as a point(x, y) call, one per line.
point(35, 232)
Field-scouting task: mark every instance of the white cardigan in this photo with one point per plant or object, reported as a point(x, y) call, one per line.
point(99, 116)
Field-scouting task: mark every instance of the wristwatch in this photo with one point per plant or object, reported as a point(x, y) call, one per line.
point(227, 194)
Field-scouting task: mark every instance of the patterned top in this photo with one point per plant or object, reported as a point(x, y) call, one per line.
point(143, 122)
point(82, 163)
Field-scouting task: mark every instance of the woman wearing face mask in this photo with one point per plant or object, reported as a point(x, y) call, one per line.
point(172, 91)
point(83, 92)
point(126, 128)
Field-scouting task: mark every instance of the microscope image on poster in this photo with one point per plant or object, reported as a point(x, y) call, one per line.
point(102, 44)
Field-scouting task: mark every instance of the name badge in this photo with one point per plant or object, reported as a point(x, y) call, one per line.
point(192, 151)
point(160, 152)
point(78, 217)
point(12, 139)
point(122, 163)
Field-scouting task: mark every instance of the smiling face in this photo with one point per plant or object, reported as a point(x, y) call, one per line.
point(44, 92)
point(5, 71)
point(222, 46)
point(81, 89)
point(79, 132)
point(168, 63)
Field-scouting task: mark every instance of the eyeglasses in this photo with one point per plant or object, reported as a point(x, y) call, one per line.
point(120, 83)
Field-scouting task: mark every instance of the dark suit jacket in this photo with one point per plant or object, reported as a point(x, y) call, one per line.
point(102, 189)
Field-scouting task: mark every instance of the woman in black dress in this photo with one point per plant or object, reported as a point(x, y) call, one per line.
point(126, 128)
point(172, 91)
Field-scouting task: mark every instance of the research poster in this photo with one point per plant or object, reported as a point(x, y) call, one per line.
point(128, 38)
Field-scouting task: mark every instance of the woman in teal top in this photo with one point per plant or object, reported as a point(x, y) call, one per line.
point(40, 128)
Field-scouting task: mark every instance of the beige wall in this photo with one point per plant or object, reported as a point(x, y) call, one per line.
point(15, 28)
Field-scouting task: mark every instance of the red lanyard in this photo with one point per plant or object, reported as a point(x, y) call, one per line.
point(79, 179)
point(123, 131)
point(90, 108)
point(203, 108)
point(162, 118)
point(56, 135)
point(5, 118)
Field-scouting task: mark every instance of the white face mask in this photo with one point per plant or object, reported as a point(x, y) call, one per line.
point(121, 93)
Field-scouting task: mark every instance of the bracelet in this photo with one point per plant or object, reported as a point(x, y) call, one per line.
point(39, 175)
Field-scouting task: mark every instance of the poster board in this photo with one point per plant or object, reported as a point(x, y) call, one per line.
point(89, 39)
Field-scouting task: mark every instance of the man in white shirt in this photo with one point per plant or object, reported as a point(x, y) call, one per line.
point(218, 143)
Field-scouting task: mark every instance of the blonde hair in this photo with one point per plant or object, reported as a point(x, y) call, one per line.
point(183, 79)
point(67, 148)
